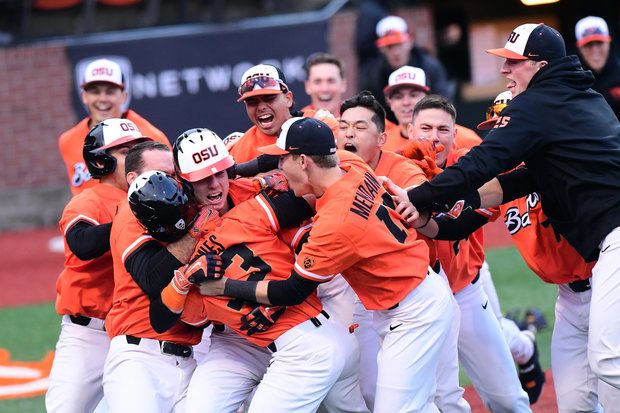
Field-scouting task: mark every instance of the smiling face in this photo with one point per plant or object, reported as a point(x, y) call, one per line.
point(103, 101)
point(212, 191)
point(269, 112)
point(519, 73)
point(325, 86)
point(595, 54)
point(436, 125)
point(358, 133)
point(402, 102)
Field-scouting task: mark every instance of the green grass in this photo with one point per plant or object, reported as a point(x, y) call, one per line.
point(518, 287)
point(28, 332)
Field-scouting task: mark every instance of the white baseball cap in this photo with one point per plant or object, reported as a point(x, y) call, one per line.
point(391, 30)
point(103, 70)
point(406, 76)
point(534, 42)
point(261, 80)
point(591, 29)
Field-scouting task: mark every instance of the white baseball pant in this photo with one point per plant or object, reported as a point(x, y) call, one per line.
point(604, 337)
point(369, 342)
point(412, 338)
point(202, 349)
point(485, 355)
point(338, 299)
point(140, 378)
point(77, 371)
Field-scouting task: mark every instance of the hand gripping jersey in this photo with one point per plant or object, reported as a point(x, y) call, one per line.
point(357, 233)
point(547, 254)
point(248, 243)
point(130, 306)
point(71, 144)
point(464, 137)
point(461, 260)
point(85, 287)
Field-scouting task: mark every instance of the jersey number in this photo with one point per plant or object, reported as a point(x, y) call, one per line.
point(384, 216)
point(260, 268)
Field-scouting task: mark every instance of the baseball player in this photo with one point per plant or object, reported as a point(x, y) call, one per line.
point(325, 84)
point(84, 288)
point(492, 372)
point(246, 239)
point(361, 131)
point(355, 234)
point(571, 152)
point(145, 370)
point(103, 94)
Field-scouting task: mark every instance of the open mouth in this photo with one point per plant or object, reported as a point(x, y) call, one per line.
point(324, 98)
point(214, 197)
point(265, 119)
point(350, 147)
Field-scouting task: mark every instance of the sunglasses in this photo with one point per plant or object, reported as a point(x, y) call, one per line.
point(263, 82)
point(494, 110)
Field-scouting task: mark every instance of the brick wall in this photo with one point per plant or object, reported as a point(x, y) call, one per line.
point(35, 91)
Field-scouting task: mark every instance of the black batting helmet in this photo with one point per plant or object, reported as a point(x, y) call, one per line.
point(104, 136)
point(158, 202)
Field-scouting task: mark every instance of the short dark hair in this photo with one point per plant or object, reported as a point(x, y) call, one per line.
point(319, 58)
point(134, 162)
point(435, 102)
point(365, 99)
point(322, 161)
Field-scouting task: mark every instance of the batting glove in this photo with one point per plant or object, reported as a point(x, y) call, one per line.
point(421, 148)
point(260, 319)
point(273, 184)
point(207, 221)
point(428, 166)
point(202, 268)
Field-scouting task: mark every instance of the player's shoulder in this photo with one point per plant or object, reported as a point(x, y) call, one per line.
point(76, 133)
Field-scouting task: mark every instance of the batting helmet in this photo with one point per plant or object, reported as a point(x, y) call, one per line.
point(199, 153)
point(104, 136)
point(158, 202)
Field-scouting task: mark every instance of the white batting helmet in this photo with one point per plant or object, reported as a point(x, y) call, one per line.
point(199, 153)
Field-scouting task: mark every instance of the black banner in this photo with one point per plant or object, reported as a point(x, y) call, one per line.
point(185, 81)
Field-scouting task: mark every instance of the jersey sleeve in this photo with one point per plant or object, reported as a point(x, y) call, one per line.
point(327, 253)
point(79, 209)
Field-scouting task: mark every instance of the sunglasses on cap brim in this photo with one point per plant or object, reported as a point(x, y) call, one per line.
point(262, 82)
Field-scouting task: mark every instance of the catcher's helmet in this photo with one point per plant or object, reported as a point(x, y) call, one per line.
point(199, 153)
point(104, 136)
point(158, 202)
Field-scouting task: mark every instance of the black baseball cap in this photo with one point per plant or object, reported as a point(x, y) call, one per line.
point(534, 42)
point(306, 136)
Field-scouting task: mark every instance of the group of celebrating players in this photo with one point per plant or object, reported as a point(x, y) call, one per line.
point(287, 269)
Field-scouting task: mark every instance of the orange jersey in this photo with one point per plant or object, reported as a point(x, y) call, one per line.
point(402, 171)
point(356, 235)
point(466, 138)
point(130, 304)
point(85, 287)
point(247, 241)
point(395, 140)
point(549, 255)
point(71, 145)
point(461, 260)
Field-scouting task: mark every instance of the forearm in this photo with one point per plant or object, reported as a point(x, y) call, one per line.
point(291, 291)
point(152, 267)
point(454, 229)
point(183, 248)
point(162, 318)
point(89, 241)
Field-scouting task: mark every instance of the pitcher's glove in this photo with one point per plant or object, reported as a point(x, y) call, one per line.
point(204, 267)
point(421, 148)
point(273, 184)
point(260, 319)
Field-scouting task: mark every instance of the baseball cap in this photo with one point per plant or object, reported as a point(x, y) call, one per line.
point(406, 76)
point(591, 29)
point(117, 132)
point(103, 70)
point(534, 42)
point(262, 80)
point(500, 102)
point(391, 30)
point(303, 135)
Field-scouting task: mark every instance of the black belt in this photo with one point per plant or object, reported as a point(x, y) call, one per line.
point(272, 346)
point(580, 286)
point(80, 320)
point(167, 347)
